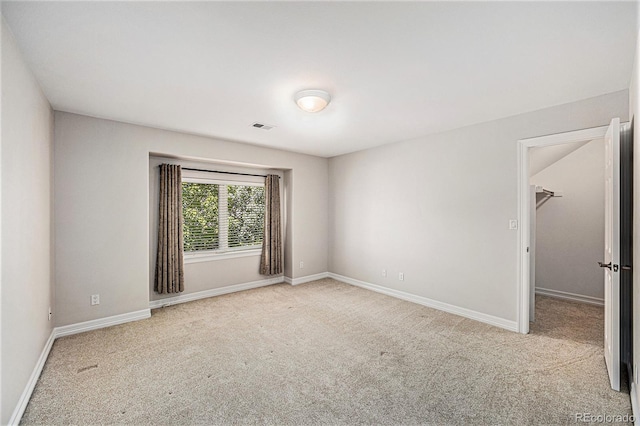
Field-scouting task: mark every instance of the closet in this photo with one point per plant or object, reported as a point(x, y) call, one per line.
point(567, 217)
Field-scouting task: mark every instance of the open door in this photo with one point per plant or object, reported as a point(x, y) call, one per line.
point(611, 264)
point(532, 253)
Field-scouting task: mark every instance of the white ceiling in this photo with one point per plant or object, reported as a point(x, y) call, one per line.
point(396, 71)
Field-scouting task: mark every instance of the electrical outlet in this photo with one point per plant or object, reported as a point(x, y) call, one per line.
point(384, 272)
point(513, 224)
point(401, 276)
point(50, 313)
point(95, 299)
point(301, 265)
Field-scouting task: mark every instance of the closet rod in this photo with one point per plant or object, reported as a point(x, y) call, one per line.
point(226, 173)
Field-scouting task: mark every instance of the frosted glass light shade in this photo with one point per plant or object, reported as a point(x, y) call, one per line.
point(312, 100)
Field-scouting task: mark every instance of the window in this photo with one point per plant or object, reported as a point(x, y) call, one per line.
point(222, 216)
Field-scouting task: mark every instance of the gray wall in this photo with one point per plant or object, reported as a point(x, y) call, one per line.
point(570, 229)
point(27, 287)
point(210, 274)
point(102, 209)
point(437, 208)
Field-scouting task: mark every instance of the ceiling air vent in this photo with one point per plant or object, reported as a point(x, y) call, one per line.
point(262, 126)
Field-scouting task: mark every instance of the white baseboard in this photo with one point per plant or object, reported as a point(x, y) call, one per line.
point(569, 296)
point(306, 279)
point(101, 323)
point(463, 312)
point(634, 402)
point(155, 304)
point(31, 384)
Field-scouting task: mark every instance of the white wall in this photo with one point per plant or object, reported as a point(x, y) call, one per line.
point(102, 209)
point(211, 274)
point(437, 208)
point(27, 288)
point(541, 157)
point(570, 229)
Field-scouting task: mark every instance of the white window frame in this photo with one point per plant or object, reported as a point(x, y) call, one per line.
point(223, 252)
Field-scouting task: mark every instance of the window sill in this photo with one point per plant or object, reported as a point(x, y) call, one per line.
point(209, 257)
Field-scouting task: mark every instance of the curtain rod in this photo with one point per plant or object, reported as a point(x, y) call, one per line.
point(226, 173)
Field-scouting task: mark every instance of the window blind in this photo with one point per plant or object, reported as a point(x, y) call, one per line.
point(222, 216)
point(200, 213)
point(244, 215)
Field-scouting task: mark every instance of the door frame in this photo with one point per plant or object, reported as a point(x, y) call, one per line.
point(523, 297)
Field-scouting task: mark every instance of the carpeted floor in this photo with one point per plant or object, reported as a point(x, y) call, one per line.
point(327, 353)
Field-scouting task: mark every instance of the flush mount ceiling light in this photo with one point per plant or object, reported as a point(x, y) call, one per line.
point(312, 100)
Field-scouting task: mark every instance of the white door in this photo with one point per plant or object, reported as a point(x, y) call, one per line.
point(532, 253)
point(611, 253)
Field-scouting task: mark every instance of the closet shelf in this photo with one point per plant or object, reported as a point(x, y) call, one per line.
point(548, 192)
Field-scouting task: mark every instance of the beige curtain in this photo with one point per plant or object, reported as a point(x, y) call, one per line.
point(271, 261)
point(169, 262)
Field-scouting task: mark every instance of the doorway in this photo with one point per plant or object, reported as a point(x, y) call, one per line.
point(567, 219)
point(525, 207)
point(618, 311)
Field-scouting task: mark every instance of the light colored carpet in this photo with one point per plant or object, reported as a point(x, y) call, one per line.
point(327, 353)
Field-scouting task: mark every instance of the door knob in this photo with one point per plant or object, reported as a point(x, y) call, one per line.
point(605, 265)
point(614, 267)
